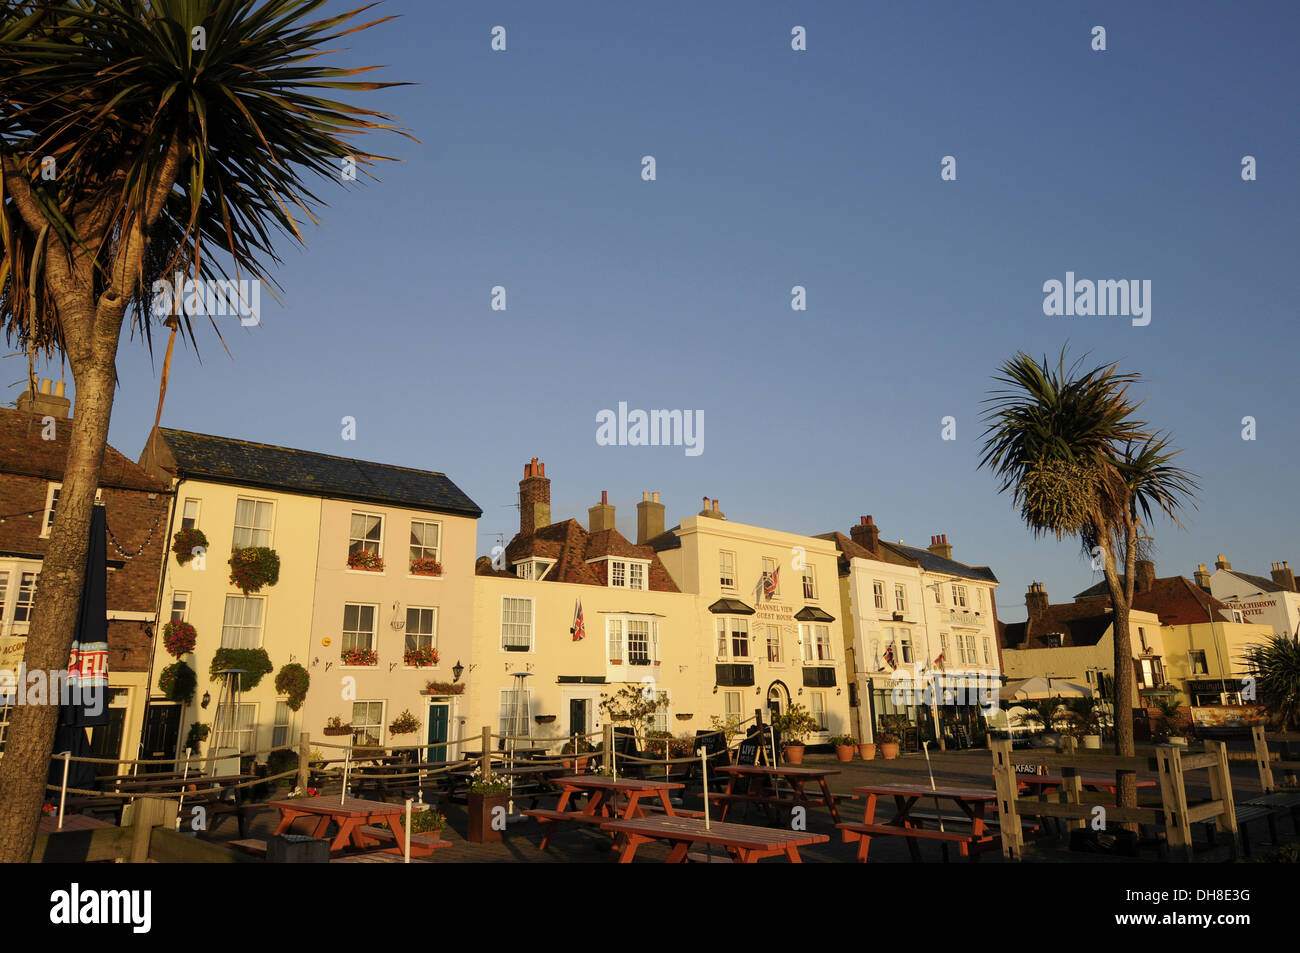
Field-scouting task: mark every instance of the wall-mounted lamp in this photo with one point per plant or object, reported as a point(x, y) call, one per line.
point(715, 689)
point(207, 700)
point(457, 671)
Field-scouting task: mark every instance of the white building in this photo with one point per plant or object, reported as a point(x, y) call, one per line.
point(1273, 602)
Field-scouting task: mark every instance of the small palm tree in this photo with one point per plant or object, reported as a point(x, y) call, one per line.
point(138, 139)
point(1275, 666)
point(1078, 464)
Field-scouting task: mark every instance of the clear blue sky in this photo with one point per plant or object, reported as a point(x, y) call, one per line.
point(778, 168)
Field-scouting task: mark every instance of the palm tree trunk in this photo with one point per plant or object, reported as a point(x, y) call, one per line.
point(30, 742)
point(1121, 602)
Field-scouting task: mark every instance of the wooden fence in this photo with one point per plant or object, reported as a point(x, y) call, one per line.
point(1169, 765)
point(1265, 761)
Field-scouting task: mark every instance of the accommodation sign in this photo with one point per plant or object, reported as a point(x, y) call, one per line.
point(775, 614)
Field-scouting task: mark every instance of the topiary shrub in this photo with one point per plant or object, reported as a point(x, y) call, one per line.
point(177, 682)
point(255, 662)
point(253, 567)
point(293, 680)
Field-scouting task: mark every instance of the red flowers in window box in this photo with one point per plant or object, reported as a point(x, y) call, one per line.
point(179, 638)
point(359, 657)
point(421, 658)
point(426, 566)
point(365, 560)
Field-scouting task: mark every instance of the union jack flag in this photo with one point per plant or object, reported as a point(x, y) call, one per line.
point(770, 582)
point(939, 660)
point(579, 627)
point(889, 656)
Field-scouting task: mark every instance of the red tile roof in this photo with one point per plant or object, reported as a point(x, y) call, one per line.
point(571, 546)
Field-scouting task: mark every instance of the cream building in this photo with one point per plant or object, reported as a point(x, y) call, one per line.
point(313, 510)
point(770, 617)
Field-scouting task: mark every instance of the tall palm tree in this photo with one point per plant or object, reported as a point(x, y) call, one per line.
point(1066, 443)
point(139, 138)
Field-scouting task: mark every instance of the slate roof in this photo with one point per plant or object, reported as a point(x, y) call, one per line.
point(245, 463)
point(850, 550)
point(932, 563)
point(1176, 600)
point(1265, 585)
point(24, 452)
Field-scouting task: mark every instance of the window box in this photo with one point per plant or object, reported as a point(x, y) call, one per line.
point(420, 658)
point(359, 657)
point(426, 566)
point(445, 688)
point(516, 648)
point(543, 719)
point(365, 560)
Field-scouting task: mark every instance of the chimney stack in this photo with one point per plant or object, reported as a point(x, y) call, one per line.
point(1222, 563)
point(43, 402)
point(1036, 600)
point(1202, 577)
point(712, 513)
point(940, 547)
point(601, 516)
point(1283, 576)
point(649, 518)
point(1144, 572)
point(534, 498)
point(867, 535)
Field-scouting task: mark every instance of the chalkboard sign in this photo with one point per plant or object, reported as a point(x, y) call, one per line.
point(911, 738)
point(751, 751)
point(962, 736)
point(624, 742)
point(711, 741)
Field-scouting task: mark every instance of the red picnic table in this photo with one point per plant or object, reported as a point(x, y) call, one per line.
point(970, 801)
point(744, 843)
point(603, 795)
point(350, 816)
point(1047, 783)
point(762, 787)
point(71, 822)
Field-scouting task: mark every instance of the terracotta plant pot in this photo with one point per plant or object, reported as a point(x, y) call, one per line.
point(844, 752)
point(481, 810)
point(889, 750)
point(579, 767)
point(867, 752)
point(794, 754)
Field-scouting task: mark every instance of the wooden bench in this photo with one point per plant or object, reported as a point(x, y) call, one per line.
point(1246, 814)
point(551, 818)
point(696, 857)
point(382, 835)
point(964, 840)
point(251, 845)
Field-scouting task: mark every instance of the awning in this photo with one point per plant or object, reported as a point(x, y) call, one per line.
point(730, 607)
point(1042, 687)
point(813, 614)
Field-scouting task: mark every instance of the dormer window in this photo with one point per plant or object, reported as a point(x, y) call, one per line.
point(533, 568)
point(1052, 640)
point(628, 574)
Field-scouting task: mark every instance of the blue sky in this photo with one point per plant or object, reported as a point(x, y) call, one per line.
point(778, 168)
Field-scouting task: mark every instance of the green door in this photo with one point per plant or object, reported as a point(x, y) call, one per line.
point(438, 717)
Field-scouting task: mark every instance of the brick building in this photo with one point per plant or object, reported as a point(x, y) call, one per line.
point(33, 449)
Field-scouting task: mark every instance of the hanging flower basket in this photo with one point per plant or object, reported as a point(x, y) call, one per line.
point(421, 658)
point(254, 567)
point(179, 638)
point(184, 543)
point(426, 566)
point(177, 682)
point(403, 724)
point(293, 680)
point(366, 561)
point(359, 657)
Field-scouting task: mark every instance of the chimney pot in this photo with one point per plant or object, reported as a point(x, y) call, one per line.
point(645, 495)
point(604, 497)
point(655, 496)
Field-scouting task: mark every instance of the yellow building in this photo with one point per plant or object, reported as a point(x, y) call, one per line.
point(770, 616)
point(313, 510)
point(570, 615)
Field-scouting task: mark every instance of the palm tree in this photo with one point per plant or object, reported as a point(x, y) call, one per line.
point(1065, 442)
point(1275, 666)
point(139, 138)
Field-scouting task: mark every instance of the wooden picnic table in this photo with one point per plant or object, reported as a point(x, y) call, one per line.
point(202, 783)
point(744, 843)
point(1047, 783)
point(763, 787)
point(71, 822)
point(971, 801)
point(524, 753)
point(603, 796)
point(350, 816)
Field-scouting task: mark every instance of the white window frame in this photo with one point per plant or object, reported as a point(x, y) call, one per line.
point(282, 731)
point(900, 598)
point(254, 528)
point(243, 626)
point(356, 633)
point(959, 596)
point(365, 540)
point(4, 595)
point(532, 624)
point(424, 550)
point(533, 569)
point(378, 726)
point(817, 708)
point(184, 598)
point(193, 520)
point(774, 639)
point(904, 645)
point(246, 722)
point(726, 579)
point(431, 635)
point(730, 700)
point(30, 604)
point(878, 593)
point(614, 640)
point(619, 573)
point(508, 715)
point(988, 645)
point(52, 494)
point(810, 582)
point(815, 642)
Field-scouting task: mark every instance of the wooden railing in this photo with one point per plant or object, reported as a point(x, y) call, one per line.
point(1265, 761)
point(1169, 765)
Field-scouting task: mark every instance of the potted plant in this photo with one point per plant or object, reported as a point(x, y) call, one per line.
point(179, 638)
point(359, 657)
point(335, 726)
point(403, 724)
point(426, 566)
point(488, 796)
point(185, 541)
point(890, 734)
point(365, 560)
point(867, 751)
point(843, 745)
point(795, 724)
point(425, 657)
point(580, 765)
point(1170, 726)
